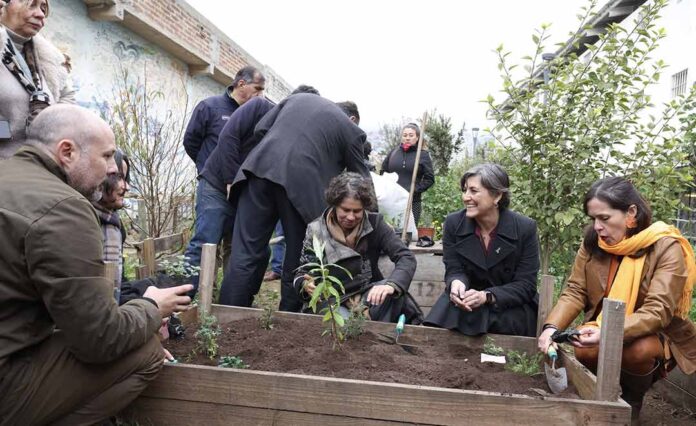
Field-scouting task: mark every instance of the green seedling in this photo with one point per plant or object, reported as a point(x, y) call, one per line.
point(228, 361)
point(355, 324)
point(522, 363)
point(327, 290)
point(179, 267)
point(269, 304)
point(207, 334)
point(490, 348)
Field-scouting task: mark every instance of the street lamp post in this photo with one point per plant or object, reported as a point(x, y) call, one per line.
point(474, 133)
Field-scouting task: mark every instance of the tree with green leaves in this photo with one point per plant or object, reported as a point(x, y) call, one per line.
point(589, 119)
point(442, 144)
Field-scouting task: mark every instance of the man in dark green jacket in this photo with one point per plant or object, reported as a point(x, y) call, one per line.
point(68, 353)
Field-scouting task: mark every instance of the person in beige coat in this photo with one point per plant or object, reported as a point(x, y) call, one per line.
point(36, 73)
point(651, 268)
point(69, 355)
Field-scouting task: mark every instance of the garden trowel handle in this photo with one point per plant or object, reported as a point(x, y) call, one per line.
point(400, 324)
point(553, 355)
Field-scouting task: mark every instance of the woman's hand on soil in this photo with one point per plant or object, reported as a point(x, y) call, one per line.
point(309, 285)
point(588, 338)
point(545, 341)
point(379, 293)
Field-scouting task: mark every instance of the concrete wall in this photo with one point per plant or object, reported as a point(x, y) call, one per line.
point(180, 51)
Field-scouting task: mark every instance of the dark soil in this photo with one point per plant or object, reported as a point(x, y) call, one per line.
point(297, 347)
point(656, 411)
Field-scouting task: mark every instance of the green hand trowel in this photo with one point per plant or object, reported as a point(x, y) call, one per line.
point(556, 378)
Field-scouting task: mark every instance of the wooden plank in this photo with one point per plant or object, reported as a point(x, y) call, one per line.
point(166, 243)
point(148, 257)
point(610, 350)
point(373, 400)
point(169, 243)
point(141, 272)
point(111, 274)
point(206, 279)
point(167, 412)
point(584, 381)
point(545, 300)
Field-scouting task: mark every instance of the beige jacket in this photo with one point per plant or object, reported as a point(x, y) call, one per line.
point(662, 283)
point(14, 99)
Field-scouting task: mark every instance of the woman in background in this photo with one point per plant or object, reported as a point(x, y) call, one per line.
point(402, 159)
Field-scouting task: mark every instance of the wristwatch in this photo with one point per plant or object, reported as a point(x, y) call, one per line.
point(489, 298)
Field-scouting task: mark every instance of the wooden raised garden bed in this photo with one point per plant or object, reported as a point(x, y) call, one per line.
point(186, 394)
point(192, 394)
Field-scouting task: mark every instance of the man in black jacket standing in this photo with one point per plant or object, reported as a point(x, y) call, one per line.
point(214, 215)
point(307, 140)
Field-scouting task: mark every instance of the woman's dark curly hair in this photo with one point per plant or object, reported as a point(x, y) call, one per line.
point(351, 185)
point(620, 194)
point(111, 181)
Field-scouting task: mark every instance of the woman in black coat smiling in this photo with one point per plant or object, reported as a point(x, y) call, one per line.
point(491, 257)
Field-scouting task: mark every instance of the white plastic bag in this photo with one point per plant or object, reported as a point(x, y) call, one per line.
point(392, 200)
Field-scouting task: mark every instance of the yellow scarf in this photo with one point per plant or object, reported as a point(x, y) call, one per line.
point(627, 281)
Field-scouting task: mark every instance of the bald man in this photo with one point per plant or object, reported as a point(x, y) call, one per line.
point(68, 353)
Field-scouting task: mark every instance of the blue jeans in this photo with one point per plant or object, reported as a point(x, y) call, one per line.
point(278, 251)
point(214, 221)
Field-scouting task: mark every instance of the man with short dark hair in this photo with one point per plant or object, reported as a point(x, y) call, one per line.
point(214, 215)
point(68, 353)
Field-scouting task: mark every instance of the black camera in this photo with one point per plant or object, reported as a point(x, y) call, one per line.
point(565, 336)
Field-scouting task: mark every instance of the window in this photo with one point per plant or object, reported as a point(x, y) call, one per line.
point(679, 83)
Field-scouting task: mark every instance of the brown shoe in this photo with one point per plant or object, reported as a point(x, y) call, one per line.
point(271, 276)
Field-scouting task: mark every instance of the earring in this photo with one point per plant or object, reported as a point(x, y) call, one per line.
point(631, 223)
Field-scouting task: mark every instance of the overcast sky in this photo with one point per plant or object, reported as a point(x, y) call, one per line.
point(394, 58)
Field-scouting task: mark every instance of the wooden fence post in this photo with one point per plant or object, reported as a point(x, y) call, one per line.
point(149, 257)
point(111, 274)
point(610, 350)
point(545, 300)
point(206, 278)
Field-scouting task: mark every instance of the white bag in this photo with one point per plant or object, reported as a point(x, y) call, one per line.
point(392, 200)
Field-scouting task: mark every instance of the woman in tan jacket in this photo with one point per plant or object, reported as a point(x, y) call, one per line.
point(650, 267)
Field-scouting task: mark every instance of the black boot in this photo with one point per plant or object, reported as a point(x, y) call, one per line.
point(634, 387)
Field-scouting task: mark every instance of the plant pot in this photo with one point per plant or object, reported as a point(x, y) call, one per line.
point(426, 231)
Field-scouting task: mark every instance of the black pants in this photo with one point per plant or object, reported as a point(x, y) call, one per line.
point(261, 203)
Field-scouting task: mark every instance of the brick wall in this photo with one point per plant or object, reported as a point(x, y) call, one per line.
point(179, 29)
point(177, 22)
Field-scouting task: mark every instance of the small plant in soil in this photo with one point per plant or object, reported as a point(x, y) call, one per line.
point(522, 363)
point(207, 334)
point(228, 361)
point(179, 267)
point(490, 348)
point(355, 323)
point(327, 290)
point(269, 304)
